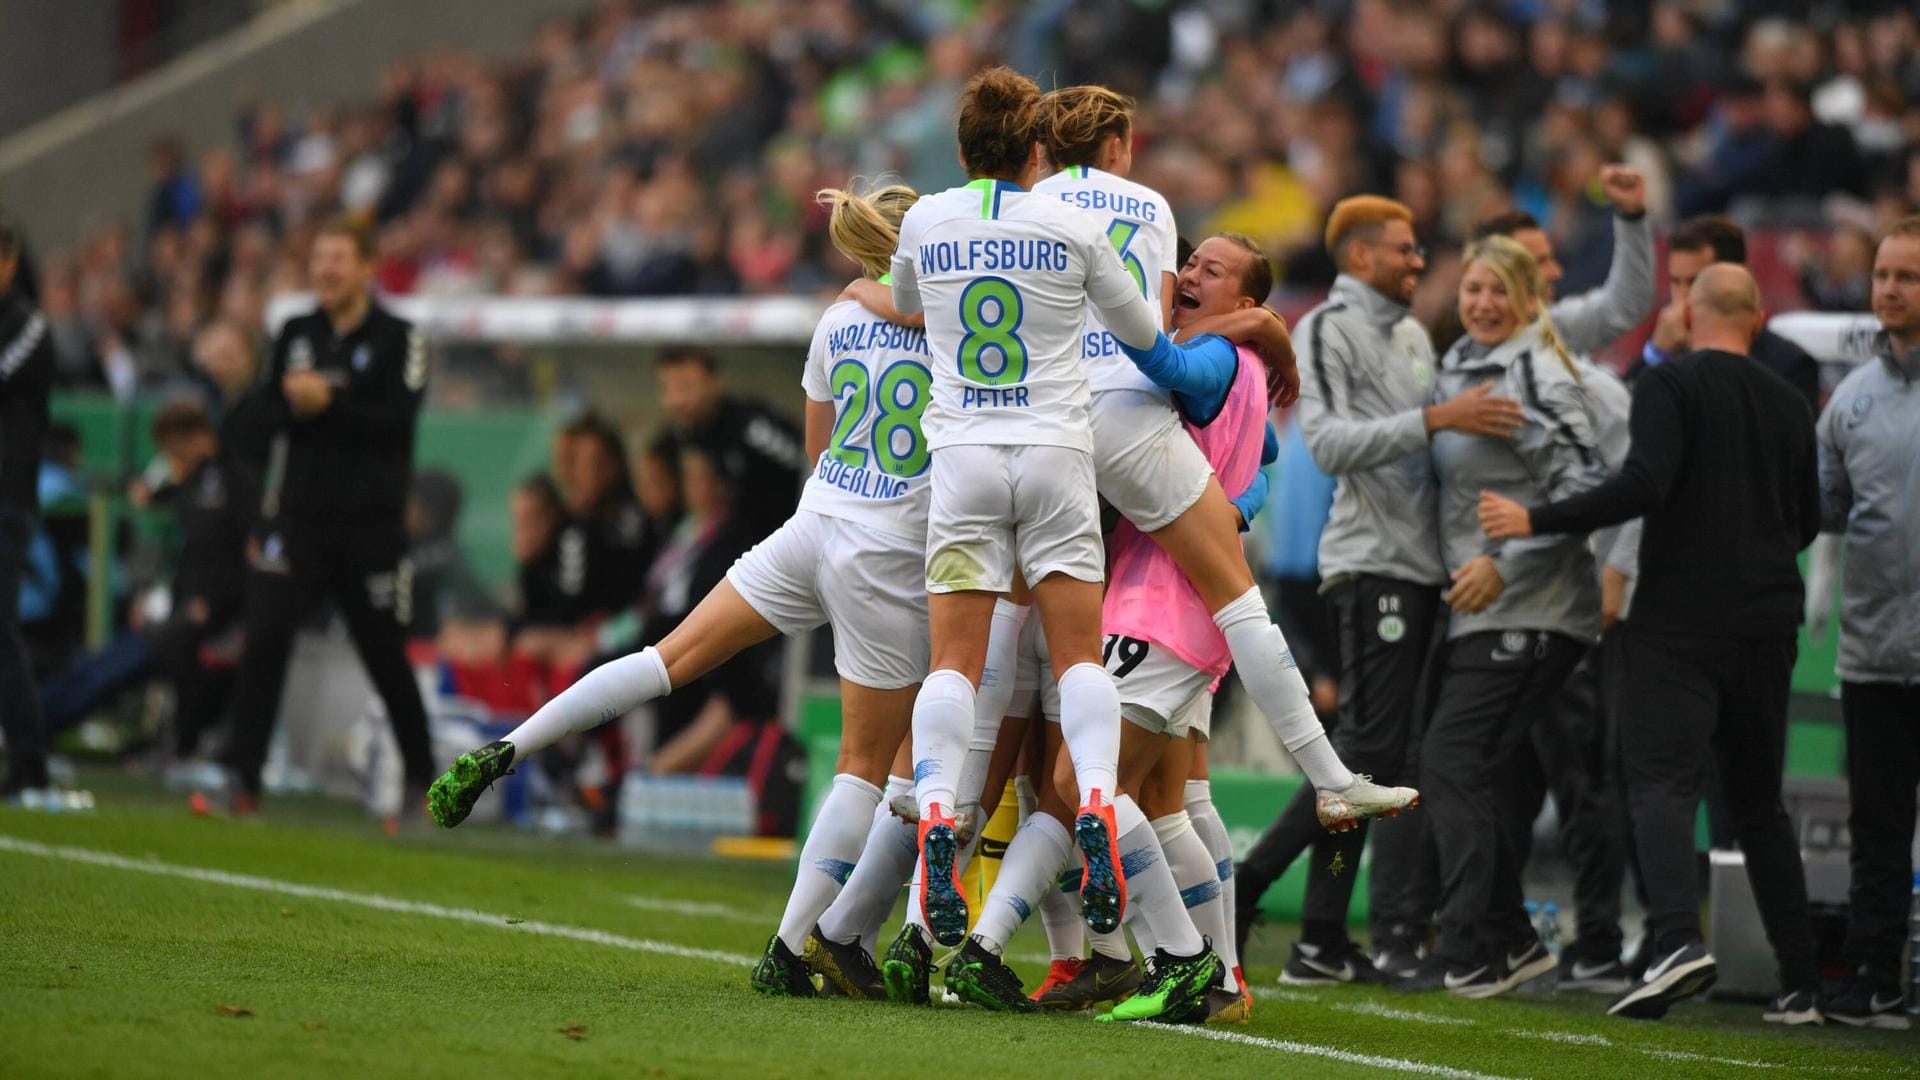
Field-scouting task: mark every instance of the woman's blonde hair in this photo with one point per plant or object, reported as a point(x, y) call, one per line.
point(1515, 267)
point(864, 221)
point(1075, 122)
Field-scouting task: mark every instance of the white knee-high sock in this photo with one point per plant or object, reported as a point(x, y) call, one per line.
point(1024, 795)
point(600, 695)
point(828, 857)
point(1114, 942)
point(1272, 679)
point(942, 721)
point(990, 703)
point(885, 864)
point(1060, 913)
point(1136, 924)
point(1028, 871)
point(1197, 880)
point(1213, 833)
point(1090, 724)
point(1150, 882)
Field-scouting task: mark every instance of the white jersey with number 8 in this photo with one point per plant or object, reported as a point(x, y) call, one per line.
point(1004, 277)
point(1139, 224)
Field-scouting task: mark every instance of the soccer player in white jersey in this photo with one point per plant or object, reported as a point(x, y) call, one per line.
point(1151, 471)
point(1004, 277)
point(853, 554)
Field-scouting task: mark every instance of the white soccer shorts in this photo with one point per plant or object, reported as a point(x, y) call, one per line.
point(998, 507)
point(1158, 690)
point(817, 569)
point(1146, 464)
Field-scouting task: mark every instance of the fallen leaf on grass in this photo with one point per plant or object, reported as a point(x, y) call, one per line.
point(286, 913)
point(515, 922)
point(233, 1010)
point(314, 1025)
point(576, 1032)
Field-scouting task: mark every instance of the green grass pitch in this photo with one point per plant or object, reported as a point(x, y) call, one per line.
point(141, 942)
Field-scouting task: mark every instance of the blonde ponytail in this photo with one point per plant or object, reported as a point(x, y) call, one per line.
point(865, 225)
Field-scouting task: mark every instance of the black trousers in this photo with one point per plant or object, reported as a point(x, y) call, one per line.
point(1688, 701)
point(362, 568)
point(1572, 752)
point(1883, 765)
point(200, 695)
point(1495, 685)
point(1383, 630)
point(20, 718)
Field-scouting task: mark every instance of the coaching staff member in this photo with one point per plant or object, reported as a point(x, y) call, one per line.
point(1722, 469)
point(1870, 490)
point(350, 377)
point(26, 377)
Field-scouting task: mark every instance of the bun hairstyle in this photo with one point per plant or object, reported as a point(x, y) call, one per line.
point(1515, 268)
point(1077, 120)
point(864, 221)
point(999, 122)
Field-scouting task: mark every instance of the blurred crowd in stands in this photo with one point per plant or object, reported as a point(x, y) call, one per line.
point(654, 149)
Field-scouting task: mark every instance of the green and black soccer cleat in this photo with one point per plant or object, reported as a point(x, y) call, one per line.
point(451, 797)
point(907, 968)
point(978, 975)
point(782, 974)
point(1175, 990)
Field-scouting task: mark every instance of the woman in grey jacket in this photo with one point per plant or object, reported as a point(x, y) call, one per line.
point(1523, 613)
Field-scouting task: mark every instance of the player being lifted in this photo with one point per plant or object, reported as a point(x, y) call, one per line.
point(853, 555)
point(1004, 277)
point(1167, 655)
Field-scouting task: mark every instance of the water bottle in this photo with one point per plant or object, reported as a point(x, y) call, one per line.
point(1913, 951)
point(1549, 927)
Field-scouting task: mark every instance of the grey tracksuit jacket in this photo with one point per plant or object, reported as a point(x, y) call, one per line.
point(1869, 443)
point(1366, 371)
point(1551, 582)
point(1592, 320)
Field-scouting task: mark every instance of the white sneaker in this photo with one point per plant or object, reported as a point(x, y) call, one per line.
point(1345, 809)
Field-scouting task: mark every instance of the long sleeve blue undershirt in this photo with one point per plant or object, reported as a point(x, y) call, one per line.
point(1200, 374)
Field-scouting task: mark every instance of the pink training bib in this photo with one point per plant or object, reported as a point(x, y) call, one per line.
point(1147, 595)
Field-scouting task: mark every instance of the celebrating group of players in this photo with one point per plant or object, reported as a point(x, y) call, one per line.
point(1004, 366)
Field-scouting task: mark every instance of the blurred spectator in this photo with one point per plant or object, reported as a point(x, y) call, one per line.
point(1841, 277)
point(1811, 159)
point(182, 639)
point(53, 593)
point(605, 523)
point(443, 581)
point(692, 720)
point(1292, 564)
point(759, 454)
point(1695, 245)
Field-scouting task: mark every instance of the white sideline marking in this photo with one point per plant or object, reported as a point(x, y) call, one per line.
point(1348, 1056)
point(1274, 993)
point(699, 908)
point(1564, 1037)
point(366, 900)
point(1368, 1008)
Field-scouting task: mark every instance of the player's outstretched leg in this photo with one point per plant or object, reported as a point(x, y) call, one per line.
point(600, 695)
point(1184, 967)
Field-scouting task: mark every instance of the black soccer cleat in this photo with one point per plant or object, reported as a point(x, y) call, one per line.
point(847, 969)
point(907, 968)
point(978, 975)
